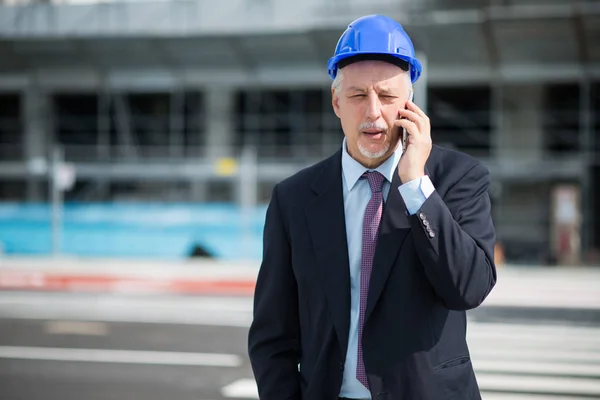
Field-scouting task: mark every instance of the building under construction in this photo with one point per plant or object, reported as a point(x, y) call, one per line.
point(195, 101)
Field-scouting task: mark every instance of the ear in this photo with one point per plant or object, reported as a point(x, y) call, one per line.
point(335, 102)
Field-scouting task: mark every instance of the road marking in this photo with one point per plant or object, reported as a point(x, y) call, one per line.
point(538, 384)
point(537, 367)
point(522, 354)
point(511, 396)
point(62, 300)
point(76, 328)
point(241, 389)
point(121, 356)
point(532, 331)
point(231, 312)
point(531, 340)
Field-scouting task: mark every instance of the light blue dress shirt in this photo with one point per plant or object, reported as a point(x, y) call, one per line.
point(356, 196)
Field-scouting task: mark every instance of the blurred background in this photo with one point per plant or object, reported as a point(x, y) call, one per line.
point(140, 141)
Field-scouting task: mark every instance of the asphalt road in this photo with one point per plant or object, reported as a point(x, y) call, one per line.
point(137, 379)
point(74, 347)
point(61, 346)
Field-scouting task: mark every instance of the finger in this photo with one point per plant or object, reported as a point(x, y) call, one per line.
point(415, 108)
point(410, 126)
point(414, 117)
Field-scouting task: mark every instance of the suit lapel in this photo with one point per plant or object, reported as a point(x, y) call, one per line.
point(327, 225)
point(393, 230)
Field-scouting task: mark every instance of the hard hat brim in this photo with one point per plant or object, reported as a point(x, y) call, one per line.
point(400, 62)
point(341, 60)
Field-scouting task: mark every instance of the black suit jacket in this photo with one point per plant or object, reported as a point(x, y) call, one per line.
point(423, 281)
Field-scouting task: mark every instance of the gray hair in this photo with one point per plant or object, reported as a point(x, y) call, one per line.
point(337, 83)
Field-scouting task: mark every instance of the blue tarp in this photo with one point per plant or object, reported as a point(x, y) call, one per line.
point(134, 229)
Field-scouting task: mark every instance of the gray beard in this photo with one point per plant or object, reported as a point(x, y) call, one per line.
point(372, 155)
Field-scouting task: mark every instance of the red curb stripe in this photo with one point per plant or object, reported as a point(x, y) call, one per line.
point(11, 280)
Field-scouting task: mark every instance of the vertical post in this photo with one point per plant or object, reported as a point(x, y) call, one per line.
point(297, 115)
point(199, 187)
point(126, 135)
point(57, 200)
point(219, 122)
point(421, 85)
point(220, 128)
point(103, 149)
point(249, 141)
point(497, 112)
point(37, 132)
point(497, 185)
point(176, 123)
point(587, 148)
point(326, 130)
point(103, 126)
point(248, 184)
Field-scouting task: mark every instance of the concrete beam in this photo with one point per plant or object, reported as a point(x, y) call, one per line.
point(310, 74)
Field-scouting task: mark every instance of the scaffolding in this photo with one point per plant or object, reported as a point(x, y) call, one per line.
point(162, 99)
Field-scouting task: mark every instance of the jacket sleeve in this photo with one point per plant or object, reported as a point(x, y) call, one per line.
point(455, 238)
point(274, 339)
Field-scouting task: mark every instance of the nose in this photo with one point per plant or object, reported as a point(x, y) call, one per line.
point(373, 107)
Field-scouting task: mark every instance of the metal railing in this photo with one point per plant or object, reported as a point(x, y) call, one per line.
point(273, 162)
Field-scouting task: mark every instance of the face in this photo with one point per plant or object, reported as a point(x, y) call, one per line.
point(367, 104)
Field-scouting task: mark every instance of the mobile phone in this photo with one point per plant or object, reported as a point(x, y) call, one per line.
point(404, 133)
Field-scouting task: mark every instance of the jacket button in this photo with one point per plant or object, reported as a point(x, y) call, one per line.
point(431, 233)
point(422, 216)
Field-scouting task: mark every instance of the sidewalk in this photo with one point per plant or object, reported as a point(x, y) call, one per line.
point(127, 276)
point(518, 286)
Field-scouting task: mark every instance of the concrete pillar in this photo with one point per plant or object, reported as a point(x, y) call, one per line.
point(586, 126)
point(219, 133)
point(420, 87)
point(521, 136)
point(521, 212)
point(219, 117)
point(37, 134)
point(199, 191)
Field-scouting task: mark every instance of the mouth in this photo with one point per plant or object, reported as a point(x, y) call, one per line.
point(374, 134)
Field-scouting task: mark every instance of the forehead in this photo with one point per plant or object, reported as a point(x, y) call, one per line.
point(374, 73)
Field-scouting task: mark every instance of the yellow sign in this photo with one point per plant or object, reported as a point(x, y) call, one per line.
point(226, 166)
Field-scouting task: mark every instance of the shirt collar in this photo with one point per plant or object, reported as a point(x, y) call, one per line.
point(353, 170)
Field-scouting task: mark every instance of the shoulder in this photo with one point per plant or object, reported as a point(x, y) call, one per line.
point(445, 156)
point(303, 179)
point(447, 160)
point(298, 189)
point(291, 195)
point(448, 166)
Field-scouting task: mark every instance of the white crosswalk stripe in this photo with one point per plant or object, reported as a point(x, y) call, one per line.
point(545, 360)
point(518, 362)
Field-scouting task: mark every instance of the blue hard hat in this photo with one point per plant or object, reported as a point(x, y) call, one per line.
point(375, 37)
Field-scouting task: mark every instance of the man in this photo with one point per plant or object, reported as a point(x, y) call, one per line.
point(372, 256)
